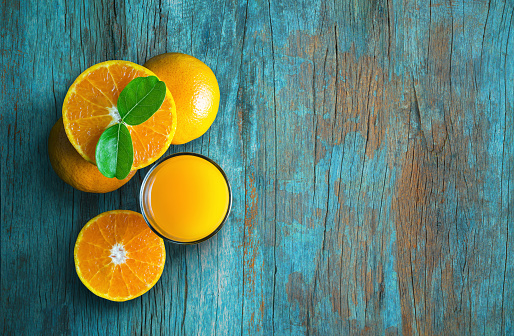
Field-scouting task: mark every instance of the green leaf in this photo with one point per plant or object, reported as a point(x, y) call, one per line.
point(140, 99)
point(114, 152)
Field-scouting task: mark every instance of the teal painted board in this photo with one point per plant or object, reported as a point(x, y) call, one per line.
point(369, 145)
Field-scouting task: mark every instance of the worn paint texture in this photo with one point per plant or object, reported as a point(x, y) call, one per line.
point(369, 144)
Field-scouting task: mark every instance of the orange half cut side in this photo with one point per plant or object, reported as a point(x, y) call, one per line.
point(117, 256)
point(90, 107)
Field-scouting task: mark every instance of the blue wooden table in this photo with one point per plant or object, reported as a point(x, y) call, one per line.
point(370, 147)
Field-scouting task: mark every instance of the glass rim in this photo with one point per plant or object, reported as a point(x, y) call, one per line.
point(145, 180)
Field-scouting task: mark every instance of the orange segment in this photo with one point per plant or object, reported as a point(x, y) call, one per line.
point(101, 280)
point(118, 287)
point(106, 228)
point(92, 94)
point(124, 73)
point(117, 256)
point(90, 107)
point(85, 109)
point(134, 283)
point(103, 80)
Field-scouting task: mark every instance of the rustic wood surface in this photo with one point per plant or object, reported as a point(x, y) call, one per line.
point(369, 144)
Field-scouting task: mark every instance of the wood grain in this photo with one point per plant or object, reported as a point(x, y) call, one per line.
point(369, 145)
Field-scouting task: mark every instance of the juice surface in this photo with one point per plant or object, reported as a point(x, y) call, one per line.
point(186, 198)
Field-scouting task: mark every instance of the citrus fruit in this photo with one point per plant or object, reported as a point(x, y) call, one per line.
point(195, 91)
point(117, 256)
point(90, 107)
point(73, 169)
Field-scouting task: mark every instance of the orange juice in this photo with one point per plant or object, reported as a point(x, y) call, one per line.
point(185, 198)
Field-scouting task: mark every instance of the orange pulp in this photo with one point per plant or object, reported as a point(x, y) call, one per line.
point(185, 198)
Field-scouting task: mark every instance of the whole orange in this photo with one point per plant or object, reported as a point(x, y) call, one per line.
point(75, 170)
point(195, 90)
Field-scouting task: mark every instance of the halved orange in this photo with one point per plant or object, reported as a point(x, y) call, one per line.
point(117, 256)
point(90, 107)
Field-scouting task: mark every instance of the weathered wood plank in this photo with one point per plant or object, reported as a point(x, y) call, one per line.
point(369, 145)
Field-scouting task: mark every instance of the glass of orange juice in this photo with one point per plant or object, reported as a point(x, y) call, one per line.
point(185, 198)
